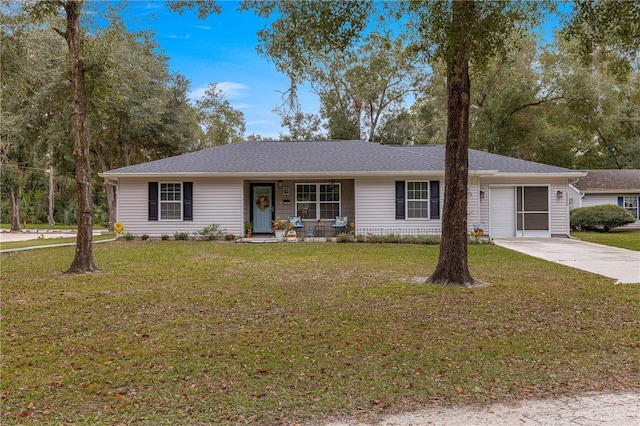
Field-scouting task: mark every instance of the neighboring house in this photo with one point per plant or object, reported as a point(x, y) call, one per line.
point(381, 188)
point(621, 187)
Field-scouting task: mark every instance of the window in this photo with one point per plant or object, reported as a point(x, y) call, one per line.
point(318, 201)
point(170, 201)
point(165, 201)
point(630, 202)
point(417, 200)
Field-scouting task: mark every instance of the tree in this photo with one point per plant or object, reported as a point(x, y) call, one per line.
point(456, 32)
point(72, 34)
point(605, 27)
point(83, 259)
point(222, 123)
point(138, 110)
point(33, 66)
point(302, 126)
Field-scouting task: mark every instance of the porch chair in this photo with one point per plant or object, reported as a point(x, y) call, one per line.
point(340, 224)
point(296, 223)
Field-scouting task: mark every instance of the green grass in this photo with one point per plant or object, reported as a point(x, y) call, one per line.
point(49, 241)
point(221, 333)
point(623, 238)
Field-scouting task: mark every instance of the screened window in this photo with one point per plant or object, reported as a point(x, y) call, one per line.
point(417, 200)
point(631, 204)
point(318, 201)
point(170, 201)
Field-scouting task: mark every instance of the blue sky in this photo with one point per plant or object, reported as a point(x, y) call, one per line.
point(222, 50)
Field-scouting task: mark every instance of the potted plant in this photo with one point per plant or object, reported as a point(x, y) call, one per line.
point(279, 226)
point(248, 227)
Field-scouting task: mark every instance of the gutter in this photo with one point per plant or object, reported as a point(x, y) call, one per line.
point(304, 175)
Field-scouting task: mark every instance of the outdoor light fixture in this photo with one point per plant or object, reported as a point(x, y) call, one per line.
point(559, 194)
point(482, 195)
point(279, 184)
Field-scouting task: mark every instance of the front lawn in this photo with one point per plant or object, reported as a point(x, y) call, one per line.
point(623, 238)
point(173, 332)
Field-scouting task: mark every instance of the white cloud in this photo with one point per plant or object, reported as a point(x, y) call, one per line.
point(230, 90)
point(197, 93)
point(201, 27)
point(184, 37)
point(255, 122)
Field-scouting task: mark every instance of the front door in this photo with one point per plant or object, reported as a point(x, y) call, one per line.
point(263, 207)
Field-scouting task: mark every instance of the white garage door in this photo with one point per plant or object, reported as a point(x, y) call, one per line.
point(503, 212)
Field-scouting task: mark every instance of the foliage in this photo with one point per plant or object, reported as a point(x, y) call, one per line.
point(129, 236)
point(344, 237)
point(164, 237)
point(211, 232)
point(604, 29)
point(229, 237)
point(599, 218)
point(222, 123)
point(279, 224)
point(144, 237)
point(181, 236)
point(226, 334)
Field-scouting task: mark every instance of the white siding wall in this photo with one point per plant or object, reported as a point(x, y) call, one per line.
point(597, 199)
point(215, 201)
point(376, 205)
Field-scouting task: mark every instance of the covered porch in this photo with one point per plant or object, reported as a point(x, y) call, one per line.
point(317, 203)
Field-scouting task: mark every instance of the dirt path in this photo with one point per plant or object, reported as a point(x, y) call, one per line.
point(620, 409)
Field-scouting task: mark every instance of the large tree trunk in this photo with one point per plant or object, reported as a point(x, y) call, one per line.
point(453, 266)
point(83, 260)
point(15, 200)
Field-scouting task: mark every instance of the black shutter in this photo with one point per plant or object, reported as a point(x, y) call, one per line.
point(621, 201)
point(187, 200)
point(434, 199)
point(153, 200)
point(400, 208)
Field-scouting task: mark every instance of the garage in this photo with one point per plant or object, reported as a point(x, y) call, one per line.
point(519, 211)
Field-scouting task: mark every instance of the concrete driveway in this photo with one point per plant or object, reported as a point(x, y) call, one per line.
point(620, 264)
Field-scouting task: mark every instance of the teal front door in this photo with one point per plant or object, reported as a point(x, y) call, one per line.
point(263, 207)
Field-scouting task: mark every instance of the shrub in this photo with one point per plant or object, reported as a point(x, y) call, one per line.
point(229, 237)
point(165, 237)
point(181, 236)
point(145, 237)
point(344, 238)
point(210, 232)
point(600, 218)
point(479, 240)
point(129, 236)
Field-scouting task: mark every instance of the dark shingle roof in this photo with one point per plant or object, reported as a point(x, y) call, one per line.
point(610, 181)
point(319, 157)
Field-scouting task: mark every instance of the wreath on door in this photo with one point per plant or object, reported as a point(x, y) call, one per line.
point(263, 202)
